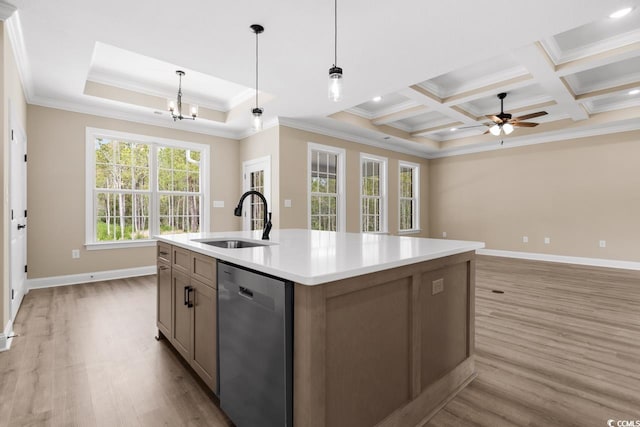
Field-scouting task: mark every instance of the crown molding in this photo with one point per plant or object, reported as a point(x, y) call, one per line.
point(546, 137)
point(360, 112)
point(16, 38)
point(129, 117)
point(273, 122)
point(399, 126)
point(6, 10)
point(300, 125)
point(595, 48)
point(395, 108)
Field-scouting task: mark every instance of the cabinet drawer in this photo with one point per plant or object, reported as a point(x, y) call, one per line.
point(164, 251)
point(203, 268)
point(181, 259)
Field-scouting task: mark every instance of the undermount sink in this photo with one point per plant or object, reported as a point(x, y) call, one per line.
point(232, 243)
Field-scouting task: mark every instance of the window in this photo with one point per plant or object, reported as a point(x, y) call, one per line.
point(409, 196)
point(373, 193)
point(326, 188)
point(138, 186)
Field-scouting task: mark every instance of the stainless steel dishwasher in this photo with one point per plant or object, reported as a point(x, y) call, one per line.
point(255, 344)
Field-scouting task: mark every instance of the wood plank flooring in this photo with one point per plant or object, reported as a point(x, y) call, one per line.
point(560, 347)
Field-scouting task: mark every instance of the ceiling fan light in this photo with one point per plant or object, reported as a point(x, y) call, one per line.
point(171, 105)
point(495, 130)
point(194, 110)
point(507, 128)
point(634, 92)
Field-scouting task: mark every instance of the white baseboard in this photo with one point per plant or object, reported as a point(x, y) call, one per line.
point(5, 341)
point(594, 262)
point(74, 279)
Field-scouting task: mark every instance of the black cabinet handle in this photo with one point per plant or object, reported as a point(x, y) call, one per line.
point(189, 303)
point(164, 253)
point(187, 296)
point(21, 226)
point(164, 267)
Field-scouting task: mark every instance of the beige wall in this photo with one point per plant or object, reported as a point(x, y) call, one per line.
point(11, 94)
point(293, 179)
point(576, 192)
point(265, 143)
point(56, 191)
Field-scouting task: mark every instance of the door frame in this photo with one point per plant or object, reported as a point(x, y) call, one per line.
point(16, 131)
point(248, 166)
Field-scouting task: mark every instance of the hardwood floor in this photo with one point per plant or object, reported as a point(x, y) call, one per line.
point(560, 347)
point(86, 357)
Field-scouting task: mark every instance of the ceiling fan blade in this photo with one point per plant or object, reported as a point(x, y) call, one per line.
point(525, 124)
point(531, 116)
point(473, 126)
point(496, 119)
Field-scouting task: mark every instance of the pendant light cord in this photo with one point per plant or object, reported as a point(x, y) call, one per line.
point(257, 69)
point(335, 32)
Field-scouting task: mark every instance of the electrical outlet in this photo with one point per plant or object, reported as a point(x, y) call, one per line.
point(437, 286)
point(525, 239)
point(603, 243)
point(287, 203)
point(444, 234)
point(547, 240)
point(218, 203)
point(75, 253)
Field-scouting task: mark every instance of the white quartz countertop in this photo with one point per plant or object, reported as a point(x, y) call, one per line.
point(314, 257)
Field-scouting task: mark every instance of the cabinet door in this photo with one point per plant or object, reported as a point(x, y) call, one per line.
point(204, 360)
point(164, 298)
point(182, 330)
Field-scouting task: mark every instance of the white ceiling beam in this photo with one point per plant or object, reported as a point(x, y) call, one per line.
point(542, 68)
point(401, 115)
point(424, 97)
point(489, 90)
point(608, 91)
point(598, 60)
point(434, 129)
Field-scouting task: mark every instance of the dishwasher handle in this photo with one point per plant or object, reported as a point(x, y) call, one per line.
point(245, 292)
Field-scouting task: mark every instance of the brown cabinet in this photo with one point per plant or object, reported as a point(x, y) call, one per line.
point(165, 301)
point(187, 303)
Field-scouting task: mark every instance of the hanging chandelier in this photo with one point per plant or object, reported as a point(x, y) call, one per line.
point(175, 107)
point(257, 111)
point(335, 72)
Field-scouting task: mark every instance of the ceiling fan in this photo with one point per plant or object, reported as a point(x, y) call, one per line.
point(503, 122)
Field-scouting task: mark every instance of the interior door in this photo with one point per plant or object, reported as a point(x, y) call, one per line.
point(256, 175)
point(18, 217)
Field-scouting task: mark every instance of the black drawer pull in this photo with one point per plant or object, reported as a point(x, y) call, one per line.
point(164, 267)
point(187, 296)
point(245, 292)
point(164, 253)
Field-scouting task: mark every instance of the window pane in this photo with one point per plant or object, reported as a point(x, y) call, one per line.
point(122, 216)
point(179, 214)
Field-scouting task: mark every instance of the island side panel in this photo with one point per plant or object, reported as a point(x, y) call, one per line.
point(359, 344)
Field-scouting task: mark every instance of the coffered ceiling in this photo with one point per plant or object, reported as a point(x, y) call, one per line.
point(437, 66)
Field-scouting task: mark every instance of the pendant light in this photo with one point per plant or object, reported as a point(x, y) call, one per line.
point(335, 72)
point(257, 111)
point(175, 107)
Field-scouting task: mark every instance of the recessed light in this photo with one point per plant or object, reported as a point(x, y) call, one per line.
point(453, 129)
point(620, 13)
point(377, 98)
point(634, 92)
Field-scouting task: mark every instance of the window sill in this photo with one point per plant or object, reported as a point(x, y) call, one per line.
point(376, 232)
point(404, 232)
point(119, 245)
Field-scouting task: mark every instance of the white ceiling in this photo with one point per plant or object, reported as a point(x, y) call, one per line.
point(434, 63)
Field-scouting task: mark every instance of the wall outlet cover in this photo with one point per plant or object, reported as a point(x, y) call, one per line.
point(547, 240)
point(444, 234)
point(437, 286)
point(603, 243)
point(287, 203)
point(525, 239)
point(75, 253)
point(218, 203)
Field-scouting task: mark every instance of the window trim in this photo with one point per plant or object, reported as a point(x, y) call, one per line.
point(90, 176)
point(415, 167)
point(384, 229)
point(341, 223)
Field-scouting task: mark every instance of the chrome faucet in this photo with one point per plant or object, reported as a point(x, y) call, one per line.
point(267, 217)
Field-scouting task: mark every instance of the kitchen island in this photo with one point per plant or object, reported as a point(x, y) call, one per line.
point(383, 326)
